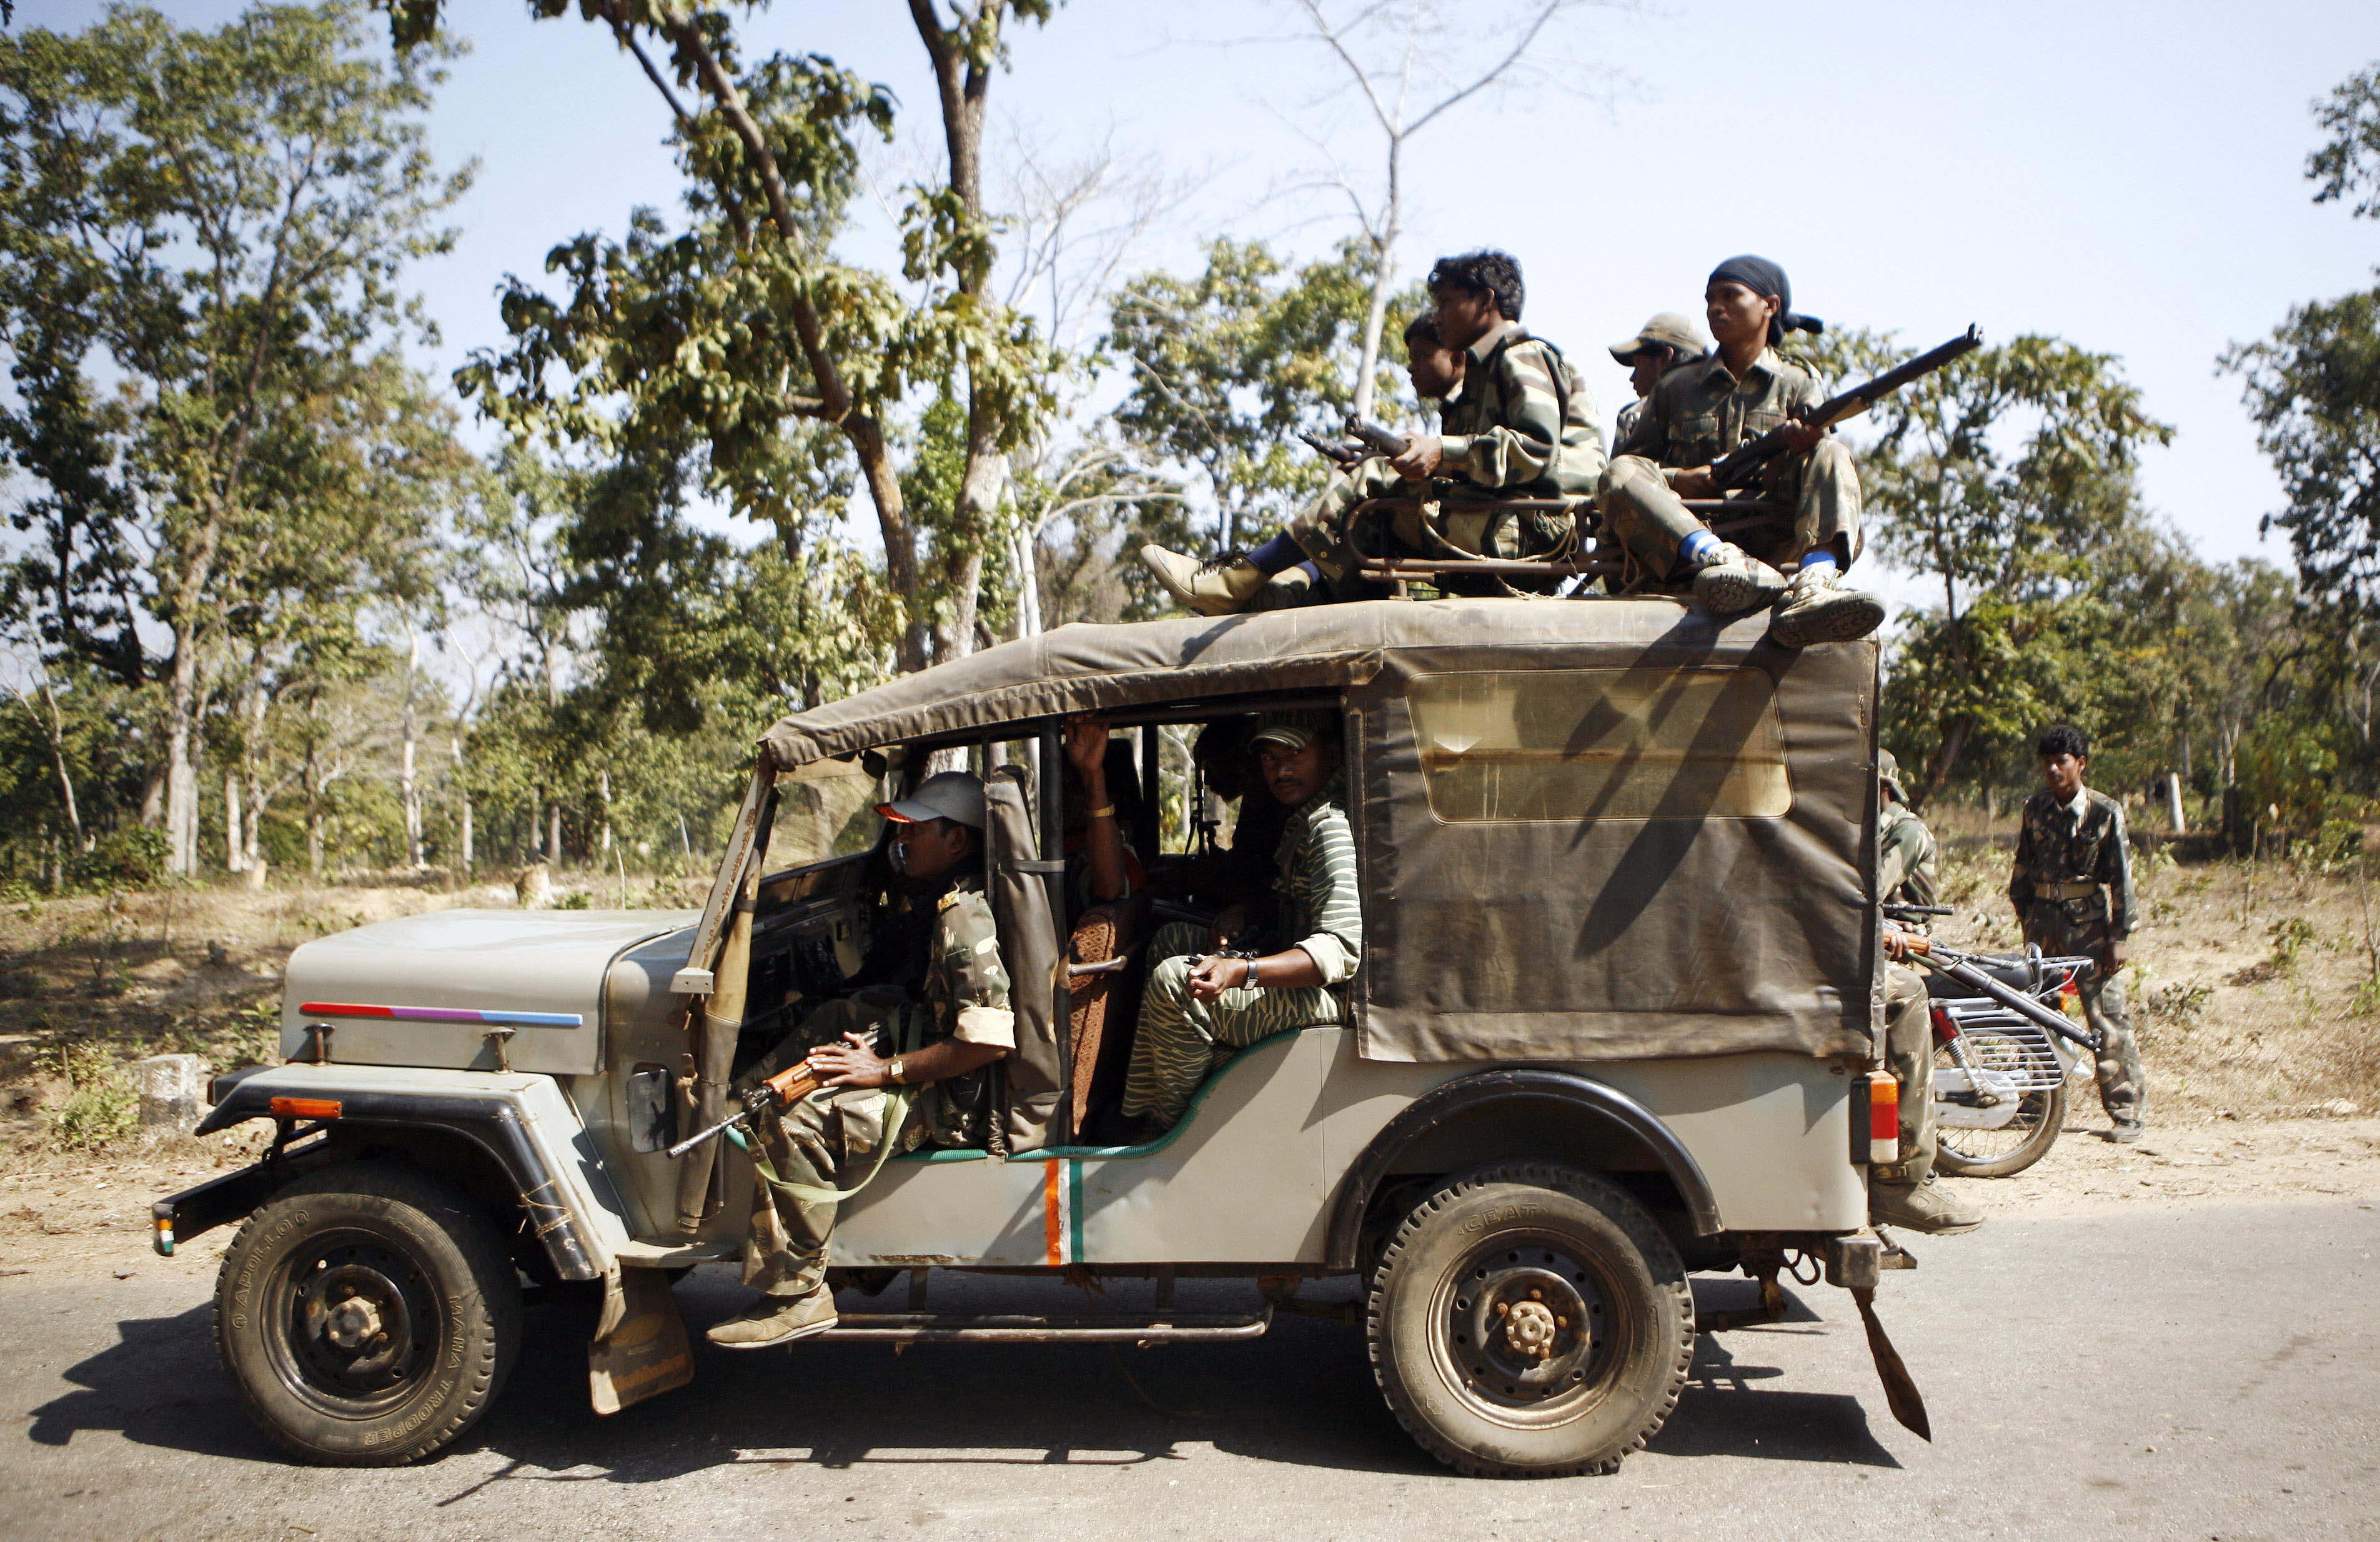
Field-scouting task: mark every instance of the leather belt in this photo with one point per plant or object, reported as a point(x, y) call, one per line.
point(2078, 890)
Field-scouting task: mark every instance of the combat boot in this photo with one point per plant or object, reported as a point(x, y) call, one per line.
point(1924, 1205)
point(776, 1320)
point(1219, 585)
point(1817, 608)
point(2126, 1132)
point(1733, 583)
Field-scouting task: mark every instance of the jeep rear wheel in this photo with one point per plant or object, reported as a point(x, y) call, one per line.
point(367, 1316)
point(1530, 1320)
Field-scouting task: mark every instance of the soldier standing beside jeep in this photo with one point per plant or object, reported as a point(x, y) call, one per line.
point(2072, 885)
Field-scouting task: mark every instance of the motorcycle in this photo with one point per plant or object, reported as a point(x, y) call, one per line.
point(2002, 1052)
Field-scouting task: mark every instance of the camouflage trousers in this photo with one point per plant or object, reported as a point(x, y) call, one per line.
point(1180, 1041)
point(1909, 1055)
point(2123, 1086)
point(826, 1141)
point(1337, 540)
point(1650, 521)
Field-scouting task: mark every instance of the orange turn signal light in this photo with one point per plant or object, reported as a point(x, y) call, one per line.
point(304, 1108)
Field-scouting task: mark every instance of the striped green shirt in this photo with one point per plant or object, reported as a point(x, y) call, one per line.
point(1317, 886)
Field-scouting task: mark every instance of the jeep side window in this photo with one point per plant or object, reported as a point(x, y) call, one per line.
point(1581, 744)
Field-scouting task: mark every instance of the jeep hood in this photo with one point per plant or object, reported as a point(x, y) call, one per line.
point(427, 989)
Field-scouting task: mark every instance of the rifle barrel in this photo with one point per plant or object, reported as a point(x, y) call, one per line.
point(1736, 469)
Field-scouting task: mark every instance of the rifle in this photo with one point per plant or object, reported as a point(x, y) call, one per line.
point(1373, 437)
point(780, 1091)
point(1740, 467)
point(1341, 455)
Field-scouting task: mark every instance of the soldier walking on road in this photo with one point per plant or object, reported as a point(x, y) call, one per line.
point(2073, 889)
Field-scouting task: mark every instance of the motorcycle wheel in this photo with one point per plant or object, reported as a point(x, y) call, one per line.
point(2015, 1145)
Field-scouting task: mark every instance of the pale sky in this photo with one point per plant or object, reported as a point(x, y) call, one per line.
point(2128, 176)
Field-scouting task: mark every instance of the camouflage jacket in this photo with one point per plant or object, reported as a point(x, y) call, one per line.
point(2055, 846)
point(1904, 856)
point(966, 997)
point(1698, 412)
point(1524, 423)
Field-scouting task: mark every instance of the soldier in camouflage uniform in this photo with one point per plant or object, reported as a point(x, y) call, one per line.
point(1703, 411)
point(1523, 425)
point(935, 1024)
point(1199, 1006)
point(1659, 346)
point(2072, 885)
point(1905, 847)
point(1904, 1193)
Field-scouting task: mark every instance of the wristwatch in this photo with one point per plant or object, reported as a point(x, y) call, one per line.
point(897, 1073)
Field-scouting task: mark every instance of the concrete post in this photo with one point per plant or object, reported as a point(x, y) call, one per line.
point(2173, 802)
point(171, 1088)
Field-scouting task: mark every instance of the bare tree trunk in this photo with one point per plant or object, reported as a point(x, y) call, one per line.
point(603, 794)
point(313, 818)
point(55, 730)
point(181, 765)
point(235, 853)
point(407, 789)
point(1384, 274)
point(1945, 760)
point(554, 837)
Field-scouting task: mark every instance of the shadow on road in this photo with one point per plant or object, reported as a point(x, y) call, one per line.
point(1302, 1396)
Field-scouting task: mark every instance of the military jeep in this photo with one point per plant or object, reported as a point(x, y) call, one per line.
point(1615, 1024)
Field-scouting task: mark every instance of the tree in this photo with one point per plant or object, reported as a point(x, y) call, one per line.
point(757, 333)
point(2010, 480)
point(1229, 366)
point(2349, 166)
point(1410, 63)
point(2313, 386)
point(213, 222)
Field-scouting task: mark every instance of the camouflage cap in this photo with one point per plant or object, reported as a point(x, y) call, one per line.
point(1667, 329)
point(1888, 770)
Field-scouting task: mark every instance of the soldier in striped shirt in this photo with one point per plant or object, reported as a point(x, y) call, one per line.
point(1201, 1005)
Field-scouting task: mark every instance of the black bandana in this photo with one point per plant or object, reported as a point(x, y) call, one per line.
point(1763, 277)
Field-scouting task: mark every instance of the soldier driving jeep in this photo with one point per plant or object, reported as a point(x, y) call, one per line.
point(946, 1018)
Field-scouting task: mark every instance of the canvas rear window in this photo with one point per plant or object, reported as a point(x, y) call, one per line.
point(1600, 744)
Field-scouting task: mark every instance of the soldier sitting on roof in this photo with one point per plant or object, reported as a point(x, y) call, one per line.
point(1702, 411)
point(1522, 426)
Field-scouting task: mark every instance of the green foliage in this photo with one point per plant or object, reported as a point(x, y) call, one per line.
point(100, 1105)
point(2349, 165)
point(2313, 390)
point(1228, 365)
point(132, 858)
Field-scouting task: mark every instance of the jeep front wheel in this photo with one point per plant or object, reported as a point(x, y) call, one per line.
point(1530, 1320)
point(367, 1315)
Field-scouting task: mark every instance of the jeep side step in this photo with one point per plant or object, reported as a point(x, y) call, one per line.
point(1161, 1328)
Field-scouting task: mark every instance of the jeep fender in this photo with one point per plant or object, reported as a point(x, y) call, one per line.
point(1577, 1106)
point(519, 1122)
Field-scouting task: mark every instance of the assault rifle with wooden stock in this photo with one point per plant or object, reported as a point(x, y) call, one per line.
point(1739, 469)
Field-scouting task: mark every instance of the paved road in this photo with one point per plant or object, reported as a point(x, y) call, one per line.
point(2187, 1373)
